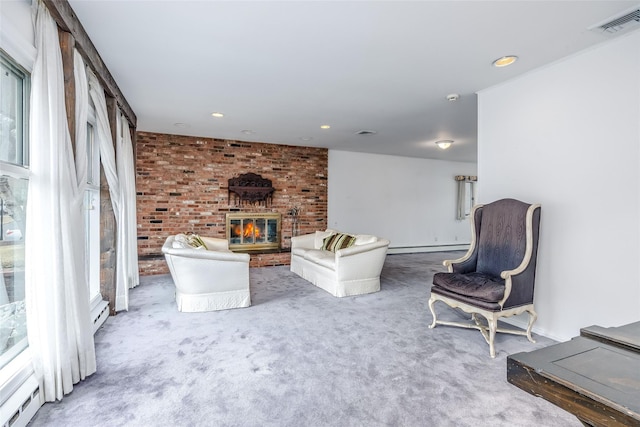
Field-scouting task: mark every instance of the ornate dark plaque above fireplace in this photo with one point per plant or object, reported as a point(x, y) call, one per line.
point(250, 188)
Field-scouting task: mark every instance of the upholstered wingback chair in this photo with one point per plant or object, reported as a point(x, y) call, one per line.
point(496, 277)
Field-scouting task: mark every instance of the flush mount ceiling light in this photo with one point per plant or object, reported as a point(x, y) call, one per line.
point(217, 115)
point(325, 127)
point(444, 144)
point(505, 60)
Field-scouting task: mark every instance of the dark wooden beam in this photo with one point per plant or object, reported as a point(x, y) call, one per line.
point(134, 147)
point(66, 47)
point(67, 20)
point(112, 114)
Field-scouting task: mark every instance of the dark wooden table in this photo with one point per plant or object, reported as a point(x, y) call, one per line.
point(595, 376)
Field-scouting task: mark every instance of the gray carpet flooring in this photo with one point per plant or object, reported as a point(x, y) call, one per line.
point(301, 357)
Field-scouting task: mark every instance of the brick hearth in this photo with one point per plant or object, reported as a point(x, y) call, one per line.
point(182, 187)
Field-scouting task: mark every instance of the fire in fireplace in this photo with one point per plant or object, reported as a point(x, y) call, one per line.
point(253, 231)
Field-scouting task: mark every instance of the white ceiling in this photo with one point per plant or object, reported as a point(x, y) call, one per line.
point(282, 69)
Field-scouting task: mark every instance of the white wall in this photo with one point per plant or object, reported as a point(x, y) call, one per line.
point(410, 201)
point(16, 32)
point(568, 136)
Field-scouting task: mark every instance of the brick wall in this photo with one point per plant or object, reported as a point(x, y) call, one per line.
point(182, 187)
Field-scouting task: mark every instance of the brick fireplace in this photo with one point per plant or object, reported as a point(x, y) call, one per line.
point(182, 186)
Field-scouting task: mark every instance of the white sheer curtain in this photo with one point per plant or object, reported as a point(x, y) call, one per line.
point(126, 174)
point(58, 320)
point(108, 160)
point(105, 141)
point(82, 112)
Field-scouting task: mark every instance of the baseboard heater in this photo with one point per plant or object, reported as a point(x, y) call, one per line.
point(429, 248)
point(99, 314)
point(22, 405)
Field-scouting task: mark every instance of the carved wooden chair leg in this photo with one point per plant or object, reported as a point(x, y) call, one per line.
point(476, 320)
point(532, 318)
point(433, 313)
point(493, 325)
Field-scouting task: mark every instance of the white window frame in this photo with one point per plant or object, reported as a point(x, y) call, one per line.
point(18, 171)
point(98, 307)
point(16, 375)
point(92, 215)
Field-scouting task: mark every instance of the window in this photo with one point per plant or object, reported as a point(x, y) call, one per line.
point(469, 197)
point(466, 199)
point(92, 214)
point(14, 179)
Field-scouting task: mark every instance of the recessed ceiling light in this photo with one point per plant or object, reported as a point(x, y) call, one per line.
point(181, 125)
point(325, 127)
point(248, 132)
point(505, 60)
point(444, 144)
point(217, 115)
point(306, 138)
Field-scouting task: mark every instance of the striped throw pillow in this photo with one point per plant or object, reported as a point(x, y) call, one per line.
point(338, 241)
point(196, 242)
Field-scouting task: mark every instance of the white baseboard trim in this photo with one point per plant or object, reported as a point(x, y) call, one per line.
point(434, 248)
point(521, 321)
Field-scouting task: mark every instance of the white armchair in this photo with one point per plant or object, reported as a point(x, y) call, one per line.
point(208, 279)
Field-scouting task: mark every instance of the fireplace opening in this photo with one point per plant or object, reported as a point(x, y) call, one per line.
point(253, 231)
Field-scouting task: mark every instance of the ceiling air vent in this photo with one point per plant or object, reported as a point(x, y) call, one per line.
point(623, 21)
point(366, 132)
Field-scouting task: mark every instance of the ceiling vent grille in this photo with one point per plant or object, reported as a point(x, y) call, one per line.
point(366, 132)
point(619, 23)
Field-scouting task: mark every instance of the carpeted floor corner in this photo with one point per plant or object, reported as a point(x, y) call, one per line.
point(301, 357)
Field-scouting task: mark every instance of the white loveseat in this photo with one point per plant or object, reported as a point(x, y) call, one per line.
point(353, 270)
point(207, 278)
